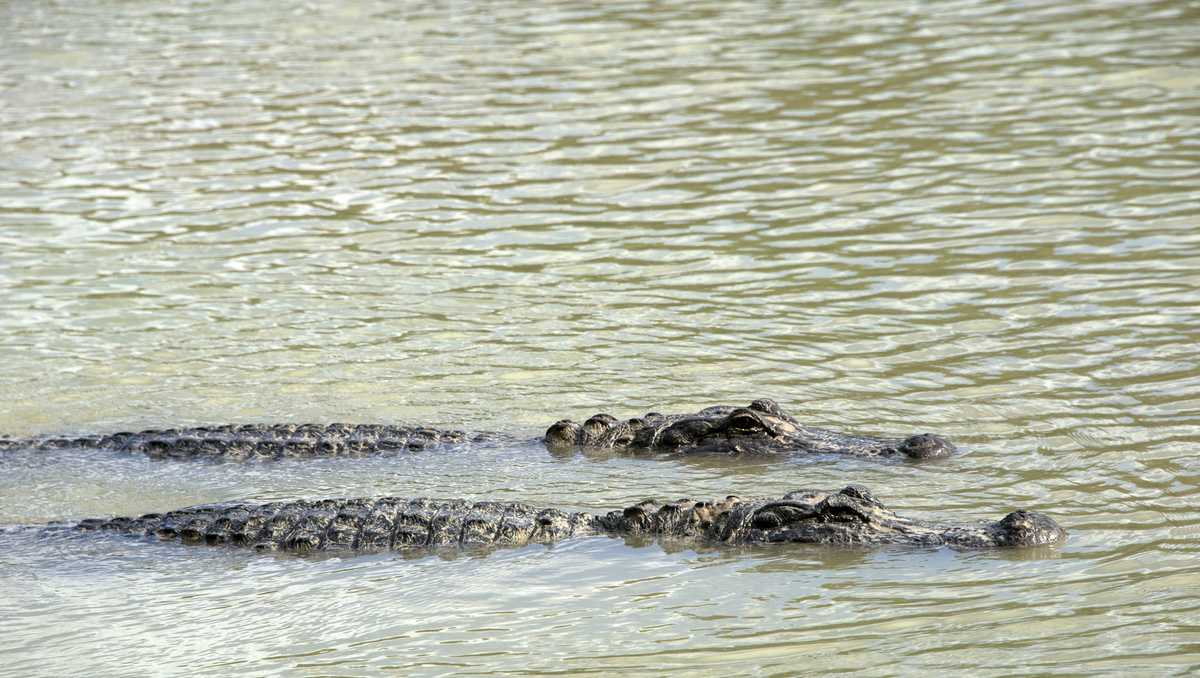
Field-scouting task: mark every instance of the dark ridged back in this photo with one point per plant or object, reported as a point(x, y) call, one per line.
point(356, 524)
point(261, 441)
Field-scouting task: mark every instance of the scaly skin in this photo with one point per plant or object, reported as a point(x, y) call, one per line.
point(762, 427)
point(849, 517)
point(260, 441)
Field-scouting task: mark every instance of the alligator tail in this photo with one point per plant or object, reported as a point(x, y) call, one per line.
point(54, 443)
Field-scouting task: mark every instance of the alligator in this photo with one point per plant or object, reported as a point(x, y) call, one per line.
point(851, 516)
point(761, 427)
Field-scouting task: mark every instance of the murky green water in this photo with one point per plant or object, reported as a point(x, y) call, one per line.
point(978, 218)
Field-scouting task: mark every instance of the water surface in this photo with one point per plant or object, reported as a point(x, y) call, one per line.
point(976, 218)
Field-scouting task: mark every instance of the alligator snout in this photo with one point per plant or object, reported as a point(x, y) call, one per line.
point(1028, 528)
point(927, 446)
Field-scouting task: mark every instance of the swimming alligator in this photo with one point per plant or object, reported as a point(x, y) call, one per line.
point(761, 427)
point(849, 517)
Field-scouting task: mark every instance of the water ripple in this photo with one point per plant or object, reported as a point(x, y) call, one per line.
point(977, 219)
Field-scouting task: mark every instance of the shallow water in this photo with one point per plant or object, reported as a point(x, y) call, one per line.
point(972, 218)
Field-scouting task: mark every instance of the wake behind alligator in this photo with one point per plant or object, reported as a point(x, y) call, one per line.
point(849, 517)
point(761, 427)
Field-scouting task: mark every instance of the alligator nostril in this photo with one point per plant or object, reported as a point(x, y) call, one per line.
point(1030, 528)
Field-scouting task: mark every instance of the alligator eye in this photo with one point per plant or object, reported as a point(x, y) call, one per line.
point(781, 514)
point(745, 423)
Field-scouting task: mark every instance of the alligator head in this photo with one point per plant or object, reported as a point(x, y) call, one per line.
point(763, 426)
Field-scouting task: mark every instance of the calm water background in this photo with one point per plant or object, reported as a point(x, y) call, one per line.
point(977, 218)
